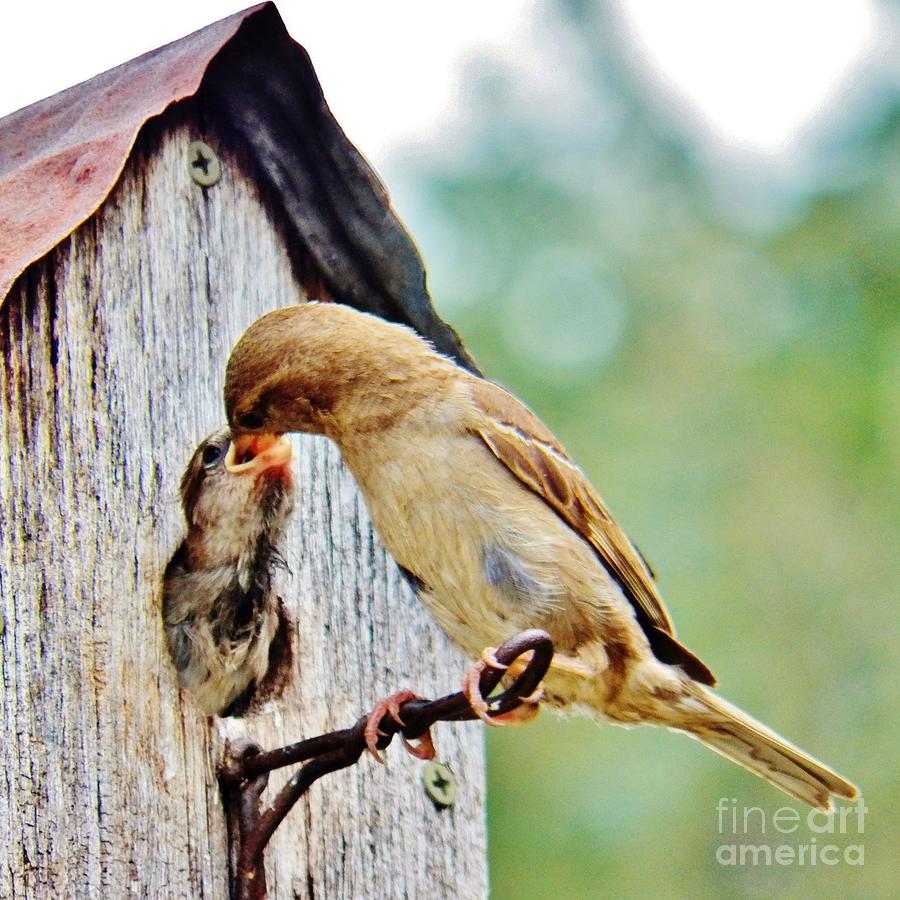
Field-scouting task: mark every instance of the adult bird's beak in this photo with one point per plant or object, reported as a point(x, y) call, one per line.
point(252, 454)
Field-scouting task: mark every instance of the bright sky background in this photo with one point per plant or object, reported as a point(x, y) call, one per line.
point(755, 73)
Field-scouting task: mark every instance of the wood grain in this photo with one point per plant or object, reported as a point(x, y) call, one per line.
point(114, 349)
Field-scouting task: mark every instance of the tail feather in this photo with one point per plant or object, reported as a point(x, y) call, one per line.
point(738, 737)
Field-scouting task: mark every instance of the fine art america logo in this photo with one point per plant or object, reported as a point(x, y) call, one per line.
point(752, 836)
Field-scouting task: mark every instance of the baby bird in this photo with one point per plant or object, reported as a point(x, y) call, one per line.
point(499, 530)
point(222, 620)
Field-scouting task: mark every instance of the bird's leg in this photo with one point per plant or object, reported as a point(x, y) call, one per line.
point(472, 689)
point(424, 749)
point(565, 665)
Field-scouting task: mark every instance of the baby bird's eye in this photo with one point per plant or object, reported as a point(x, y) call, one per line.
point(251, 420)
point(212, 454)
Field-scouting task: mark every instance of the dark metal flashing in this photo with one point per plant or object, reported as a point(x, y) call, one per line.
point(60, 158)
point(263, 89)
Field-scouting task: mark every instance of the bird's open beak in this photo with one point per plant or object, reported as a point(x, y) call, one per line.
point(252, 454)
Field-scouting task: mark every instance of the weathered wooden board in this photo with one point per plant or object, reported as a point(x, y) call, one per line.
point(113, 354)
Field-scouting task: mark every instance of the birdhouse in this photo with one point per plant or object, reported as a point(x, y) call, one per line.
point(147, 217)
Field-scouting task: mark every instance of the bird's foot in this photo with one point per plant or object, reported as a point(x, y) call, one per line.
point(527, 710)
point(472, 684)
point(472, 689)
point(424, 749)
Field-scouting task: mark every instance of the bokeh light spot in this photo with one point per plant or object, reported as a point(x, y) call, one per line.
point(566, 313)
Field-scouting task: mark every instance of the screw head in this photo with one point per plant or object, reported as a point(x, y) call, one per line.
point(440, 784)
point(203, 164)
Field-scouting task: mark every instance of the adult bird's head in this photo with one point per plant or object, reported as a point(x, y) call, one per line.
point(325, 368)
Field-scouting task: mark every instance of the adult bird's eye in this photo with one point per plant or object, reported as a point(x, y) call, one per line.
point(212, 454)
point(251, 420)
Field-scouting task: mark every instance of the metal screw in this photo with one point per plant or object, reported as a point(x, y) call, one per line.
point(203, 164)
point(440, 784)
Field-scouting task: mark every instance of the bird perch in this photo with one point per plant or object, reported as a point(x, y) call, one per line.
point(246, 767)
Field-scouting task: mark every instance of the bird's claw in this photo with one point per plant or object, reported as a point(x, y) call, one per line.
point(528, 708)
point(424, 749)
point(472, 689)
point(472, 683)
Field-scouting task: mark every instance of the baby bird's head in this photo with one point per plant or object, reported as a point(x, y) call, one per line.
point(232, 498)
point(325, 368)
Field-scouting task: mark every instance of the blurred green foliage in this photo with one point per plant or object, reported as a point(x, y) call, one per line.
point(733, 390)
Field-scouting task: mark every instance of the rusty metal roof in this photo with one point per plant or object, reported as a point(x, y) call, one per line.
point(60, 157)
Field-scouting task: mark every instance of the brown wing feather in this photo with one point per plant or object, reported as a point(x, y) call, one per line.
point(531, 452)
